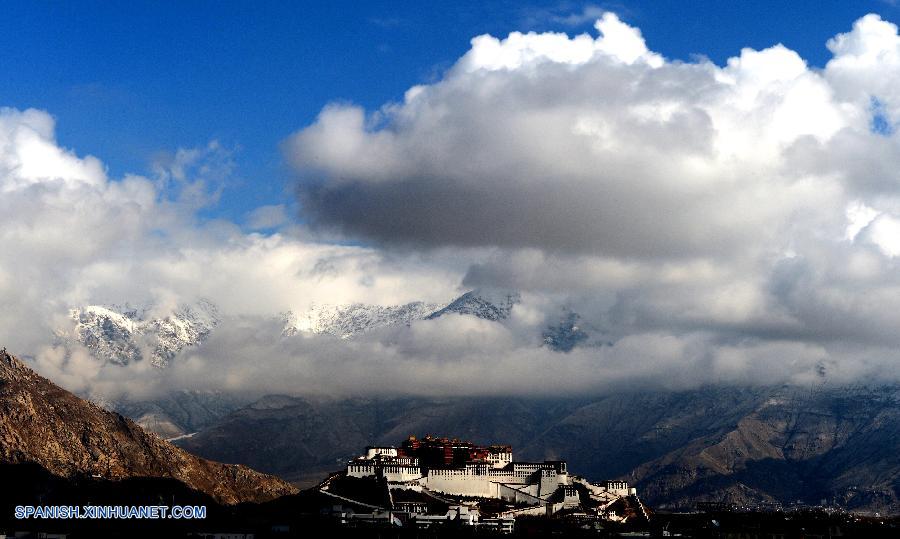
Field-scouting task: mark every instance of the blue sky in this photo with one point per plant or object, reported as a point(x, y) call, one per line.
point(130, 82)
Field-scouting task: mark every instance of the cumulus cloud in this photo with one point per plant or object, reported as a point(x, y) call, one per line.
point(709, 224)
point(584, 144)
point(753, 202)
point(461, 355)
point(72, 236)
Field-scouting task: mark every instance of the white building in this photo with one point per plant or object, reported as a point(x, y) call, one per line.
point(384, 451)
point(534, 488)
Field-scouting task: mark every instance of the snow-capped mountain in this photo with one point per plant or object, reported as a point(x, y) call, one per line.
point(494, 306)
point(346, 321)
point(565, 335)
point(124, 335)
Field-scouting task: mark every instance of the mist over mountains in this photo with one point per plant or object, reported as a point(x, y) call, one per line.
point(138, 338)
point(694, 245)
point(744, 445)
point(131, 337)
point(123, 334)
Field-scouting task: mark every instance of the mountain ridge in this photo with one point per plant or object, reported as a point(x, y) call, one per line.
point(345, 321)
point(481, 305)
point(125, 334)
point(43, 424)
point(742, 445)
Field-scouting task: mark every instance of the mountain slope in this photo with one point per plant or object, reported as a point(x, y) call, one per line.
point(179, 413)
point(736, 444)
point(840, 445)
point(304, 439)
point(43, 424)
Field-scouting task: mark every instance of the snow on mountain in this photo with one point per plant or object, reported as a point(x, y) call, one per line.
point(493, 305)
point(187, 326)
point(565, 335)
point(126, 334)
point(108, 334)
point(346, 321)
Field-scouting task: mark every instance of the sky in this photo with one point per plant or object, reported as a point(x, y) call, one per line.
point(135, 83)
point(710, 186)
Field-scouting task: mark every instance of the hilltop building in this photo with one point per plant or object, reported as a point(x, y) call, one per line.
point(476, 484)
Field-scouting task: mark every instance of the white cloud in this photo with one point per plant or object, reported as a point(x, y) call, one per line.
point(71, 236)
point(884, 231)
point(866, 63)
point(751, 201)
point(584, 144)
point(29, 155)
point(734, 224)
point(617, 41)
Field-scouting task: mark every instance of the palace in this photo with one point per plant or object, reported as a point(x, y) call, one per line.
point(470, 476)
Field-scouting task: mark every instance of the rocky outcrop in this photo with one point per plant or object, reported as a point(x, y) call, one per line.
point(42, 423)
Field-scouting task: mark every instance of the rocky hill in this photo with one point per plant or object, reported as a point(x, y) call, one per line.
point(43, 424)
